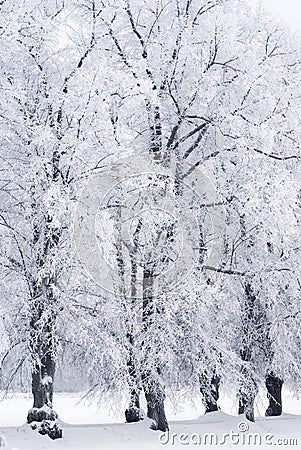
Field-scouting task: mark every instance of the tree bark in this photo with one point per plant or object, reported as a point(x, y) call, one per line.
point(209, 388)
point(153, 389)
point(274, 388)
point(155, 396)
point(42, 382)
point(43, 317)
point(133, 412)
point(248, 389)
point(42, 374)
point(246, 404)
point(42, 348)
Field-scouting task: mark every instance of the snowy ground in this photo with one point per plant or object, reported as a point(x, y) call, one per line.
point(86, 426)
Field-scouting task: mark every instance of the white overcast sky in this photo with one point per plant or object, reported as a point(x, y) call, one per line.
point(289, 10)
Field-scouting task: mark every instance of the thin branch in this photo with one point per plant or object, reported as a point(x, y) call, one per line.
point(226, 271)
point(271, 155)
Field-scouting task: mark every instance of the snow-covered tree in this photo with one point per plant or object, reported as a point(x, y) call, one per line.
point(48, 140)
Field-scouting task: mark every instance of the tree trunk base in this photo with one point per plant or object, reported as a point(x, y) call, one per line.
point(156, 412)
point(51, 428)
point(250, 416)
point(270, 412)
point(155, 396)
point(159, 421)
point(209, 388)
point(40, 414)
point(211, 407)
point(246, 407)
point(133, 414)
point(274, 388)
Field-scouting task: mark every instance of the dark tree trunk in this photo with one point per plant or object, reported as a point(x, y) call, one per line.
point(153, 389)
point(43, 316)
point(246, 404)
point(274, 388)
point(248, 390)
point(209, 388)
point(42, 382)
point(42, 347)
point(155, 396)
point(42, 387)
point(133, 412)
point(45, 240)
